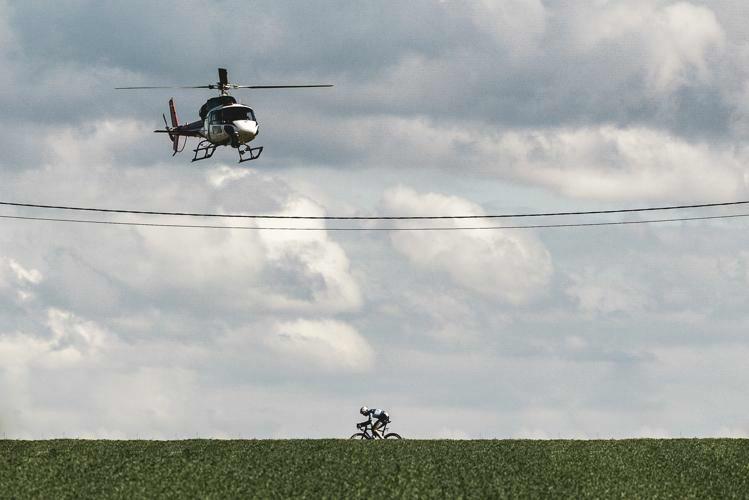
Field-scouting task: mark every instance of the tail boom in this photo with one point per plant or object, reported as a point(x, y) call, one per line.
point(175, 131)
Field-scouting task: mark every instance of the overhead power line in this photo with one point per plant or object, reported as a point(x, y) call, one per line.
point(444, 228)
point(399, 217)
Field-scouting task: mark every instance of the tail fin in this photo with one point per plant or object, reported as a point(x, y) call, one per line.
point(175, 123)
point(173, 113)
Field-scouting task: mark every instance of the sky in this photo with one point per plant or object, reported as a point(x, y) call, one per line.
point(439, 108)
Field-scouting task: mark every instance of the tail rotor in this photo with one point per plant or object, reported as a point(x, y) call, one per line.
point(166, 127)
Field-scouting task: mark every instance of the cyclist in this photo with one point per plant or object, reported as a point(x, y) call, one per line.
point(381, 417)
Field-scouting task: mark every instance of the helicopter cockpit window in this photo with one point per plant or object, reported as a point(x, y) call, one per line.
point(236, 114)
point(228, 115)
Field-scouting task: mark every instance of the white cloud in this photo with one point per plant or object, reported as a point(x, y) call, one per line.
point(30, 276)
point(74, 337)
point(316, 256)
point(204, 261)
point(14, 274)
point(70, 340)
point(92, 147)
point(614, 163)
point(238, 269)
point(329, 344)
point(600, 162)
point(688, 34)
point(674, 43)
point(510, 265)
point(18, 280)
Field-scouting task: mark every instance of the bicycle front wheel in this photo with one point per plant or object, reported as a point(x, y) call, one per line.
point(393, 435)
point(358, 435)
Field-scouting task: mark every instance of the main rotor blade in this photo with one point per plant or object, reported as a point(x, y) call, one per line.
point(278, 86)
point(222, 77)
point(141, 88)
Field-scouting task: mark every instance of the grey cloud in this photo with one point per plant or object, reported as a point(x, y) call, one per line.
point(174, 40)
point(452, 64)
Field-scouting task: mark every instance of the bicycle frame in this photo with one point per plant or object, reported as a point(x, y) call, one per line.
point(369, 432)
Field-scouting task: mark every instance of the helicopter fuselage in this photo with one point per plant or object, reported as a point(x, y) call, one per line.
point(233, 125)
point(224, 122)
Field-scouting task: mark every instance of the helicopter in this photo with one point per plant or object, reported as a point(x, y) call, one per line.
point(223, 120)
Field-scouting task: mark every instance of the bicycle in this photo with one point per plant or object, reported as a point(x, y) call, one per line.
point(368, 433)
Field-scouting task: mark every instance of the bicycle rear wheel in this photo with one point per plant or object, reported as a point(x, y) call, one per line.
point(393, 435)
point(358, 435)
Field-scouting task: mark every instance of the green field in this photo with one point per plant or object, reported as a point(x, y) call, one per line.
point(717, 468)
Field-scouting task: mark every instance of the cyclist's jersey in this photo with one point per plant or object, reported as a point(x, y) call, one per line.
point(377, 413)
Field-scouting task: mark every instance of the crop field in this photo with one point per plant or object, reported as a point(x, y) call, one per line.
point(717, 468)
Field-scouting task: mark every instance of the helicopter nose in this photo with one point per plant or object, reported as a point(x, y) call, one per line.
point(246, 127)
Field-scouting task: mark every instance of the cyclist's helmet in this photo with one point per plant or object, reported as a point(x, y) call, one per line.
point(363, 410)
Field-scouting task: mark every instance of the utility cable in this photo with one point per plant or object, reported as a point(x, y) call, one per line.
point(415, 217)
point(444, 228)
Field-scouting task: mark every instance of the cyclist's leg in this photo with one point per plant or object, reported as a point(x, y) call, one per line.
point(377, 426)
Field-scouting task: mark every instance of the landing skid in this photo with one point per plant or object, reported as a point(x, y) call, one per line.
point(246, 153)
point(204, 150)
